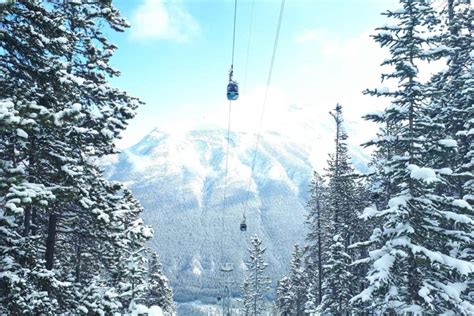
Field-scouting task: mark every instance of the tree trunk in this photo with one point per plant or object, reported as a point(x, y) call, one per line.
point(78, 260)
point(33, 221)
point(51, 240)
point(256, 291)
point(27, 222)
point(320, 263)
point(451, 14)
point(28, 211)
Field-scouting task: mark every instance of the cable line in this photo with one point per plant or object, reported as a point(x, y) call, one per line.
point(228, 121)
point(233, 37)
point(272, 62)
point(226, 164)
point(233, 87)
point(248, 44)
point(232, 94)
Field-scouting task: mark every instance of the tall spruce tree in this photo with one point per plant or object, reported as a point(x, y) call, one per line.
point(159, 292)
point(342, 186)
point(34, 158)
point(299, 282)
point(451, 97)
point(410, 269)
point(317, 239)
point(256, 282)
point(292, 290)
point(284, 297)
point(62, 224)
point(338, 279)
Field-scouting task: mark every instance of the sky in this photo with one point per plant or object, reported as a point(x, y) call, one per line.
point(177, 53)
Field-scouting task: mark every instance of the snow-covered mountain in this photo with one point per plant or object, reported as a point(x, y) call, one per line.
point(179, 180)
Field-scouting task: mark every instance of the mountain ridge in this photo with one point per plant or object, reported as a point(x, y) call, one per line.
point(179, 180)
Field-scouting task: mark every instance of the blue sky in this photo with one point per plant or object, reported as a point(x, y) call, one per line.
point(177, 53)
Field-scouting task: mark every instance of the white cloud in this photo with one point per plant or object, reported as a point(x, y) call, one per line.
point(163, 20)
point(342, 70)
point(337, 70)
point(309, 36)
point(299, 101)
point(327, 69)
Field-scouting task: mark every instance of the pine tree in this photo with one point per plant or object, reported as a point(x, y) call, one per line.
point(159, 292)
point(342, 187)
point(33, 157)
point(292, 292)
point(451, 99)
point(64, 229)
point(317, 239)
point(127, 260)
point(246, 308)
point(256, 282)
point(359, 250)
point(284, 299)
point(298, 281)
point(338, 278)
point(409, 271)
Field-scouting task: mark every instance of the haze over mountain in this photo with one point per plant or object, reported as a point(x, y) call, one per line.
point(179, 180)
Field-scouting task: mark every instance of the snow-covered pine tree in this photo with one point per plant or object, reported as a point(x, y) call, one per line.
point(374, 195)
point(292, 291)
point(61, 222)
point(451, 146)
point(127, 261)
point(31, 157)
point(409, 272)
point(317, 240)
point(341, 185)
point(284, 297)
point(359, 250)
point(338, 279)
point(256, 282)
point(246, 308)
point(159, 292)
point(452, 97)
point(299, 284)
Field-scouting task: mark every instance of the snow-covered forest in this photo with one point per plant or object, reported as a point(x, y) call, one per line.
point(71, 241)
point(396, 240)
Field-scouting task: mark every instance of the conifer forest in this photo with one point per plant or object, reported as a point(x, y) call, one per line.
point(219, 221)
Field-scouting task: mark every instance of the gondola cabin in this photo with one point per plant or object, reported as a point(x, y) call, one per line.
point(243, 226)
point(232, 91)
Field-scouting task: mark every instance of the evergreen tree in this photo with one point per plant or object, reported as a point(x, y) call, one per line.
point(342, 186)
point(451, 98)
point(284, 299)
point(126, 260)
point(292, 291)
point(410, 270)
point(34, 158)
point(159, 291)
point(298, 280)
point(65, 231)
point(338, 278)
point(256, 282)
point(317, 239)
point(246, 298)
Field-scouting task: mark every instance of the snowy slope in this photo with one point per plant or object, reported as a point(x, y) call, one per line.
point(179, 180)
